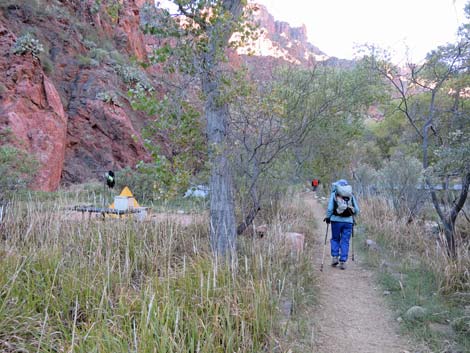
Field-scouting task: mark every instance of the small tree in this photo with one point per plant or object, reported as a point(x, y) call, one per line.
point(433, 97)
point(193, 44)
point(400, 180)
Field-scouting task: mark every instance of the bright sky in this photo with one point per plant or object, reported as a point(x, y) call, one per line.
point(337, 26)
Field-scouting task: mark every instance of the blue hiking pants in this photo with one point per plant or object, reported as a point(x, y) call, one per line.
point(340, 236)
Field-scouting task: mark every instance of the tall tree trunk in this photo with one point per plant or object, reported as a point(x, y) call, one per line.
point(222, 210)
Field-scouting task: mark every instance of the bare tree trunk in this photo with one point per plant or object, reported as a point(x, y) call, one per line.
point(222, 210)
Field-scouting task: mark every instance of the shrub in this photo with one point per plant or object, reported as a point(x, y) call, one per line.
point(27, 44)
point(17, 167)
point(109, 97)
point(133, 75)
point(398, 181)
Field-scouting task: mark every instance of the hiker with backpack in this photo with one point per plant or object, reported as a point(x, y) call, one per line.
point(342, 207)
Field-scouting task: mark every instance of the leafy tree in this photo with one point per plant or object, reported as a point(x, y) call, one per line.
point(433, 97)
point(251, 126)
point(193, 45)
point(329, 148)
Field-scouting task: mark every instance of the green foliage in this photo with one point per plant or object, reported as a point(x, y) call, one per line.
point(157, 181)
point(27, 44)
point(133, 75)
point(398, 181)
point(110, 97)
point(454, 157)
point(99, 54)
point(17, 167)
point(331, 104)
point(177, 125)
point(85, 61)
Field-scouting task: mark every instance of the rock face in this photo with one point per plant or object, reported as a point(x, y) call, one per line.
point(100, 135)
point(52, 103)
point(32, 109)
point(278, 40)
point(68, 105)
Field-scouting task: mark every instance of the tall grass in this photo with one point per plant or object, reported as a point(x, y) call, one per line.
point(416, 269)
point(75, 285)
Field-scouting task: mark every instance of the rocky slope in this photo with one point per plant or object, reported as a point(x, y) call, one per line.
point(67, 105)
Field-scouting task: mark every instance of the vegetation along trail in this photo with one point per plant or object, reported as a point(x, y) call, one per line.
point(351, 316)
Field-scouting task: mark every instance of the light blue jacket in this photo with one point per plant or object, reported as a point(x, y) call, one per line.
point(333, 218)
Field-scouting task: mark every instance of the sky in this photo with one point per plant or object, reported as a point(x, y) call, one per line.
point(406, 28)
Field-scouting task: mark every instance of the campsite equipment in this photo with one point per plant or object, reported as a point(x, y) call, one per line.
point(124, 205)
point(324, 247)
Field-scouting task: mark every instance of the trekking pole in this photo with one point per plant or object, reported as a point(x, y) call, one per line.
point(324, 247)
point(352, 240)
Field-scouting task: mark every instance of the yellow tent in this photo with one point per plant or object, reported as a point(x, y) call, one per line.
point(126, 192)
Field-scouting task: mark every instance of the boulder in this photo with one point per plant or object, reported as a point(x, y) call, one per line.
point(296, 241)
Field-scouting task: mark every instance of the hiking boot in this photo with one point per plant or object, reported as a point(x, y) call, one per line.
point(342, 265)
point(334, 260)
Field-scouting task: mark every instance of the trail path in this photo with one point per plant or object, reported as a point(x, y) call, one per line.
point(352, 316)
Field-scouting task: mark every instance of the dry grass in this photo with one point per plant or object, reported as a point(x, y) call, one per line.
point(418, 271)
point(121, 285)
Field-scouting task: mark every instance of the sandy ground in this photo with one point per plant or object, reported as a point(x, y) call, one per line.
point(352, 316)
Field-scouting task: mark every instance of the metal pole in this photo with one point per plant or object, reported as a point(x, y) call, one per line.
point(324, 247)
point(352, 241)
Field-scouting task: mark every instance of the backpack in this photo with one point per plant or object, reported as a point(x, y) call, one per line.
point(343, 205)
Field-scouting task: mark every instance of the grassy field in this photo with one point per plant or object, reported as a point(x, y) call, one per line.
point(414, 270)
point(73, 285)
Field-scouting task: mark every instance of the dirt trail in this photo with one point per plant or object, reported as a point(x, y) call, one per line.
point(352, 316)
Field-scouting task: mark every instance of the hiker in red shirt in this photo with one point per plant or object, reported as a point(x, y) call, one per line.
point(315, 183)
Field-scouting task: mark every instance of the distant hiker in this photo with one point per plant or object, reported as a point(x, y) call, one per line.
point(342, 207)
point(315, 183)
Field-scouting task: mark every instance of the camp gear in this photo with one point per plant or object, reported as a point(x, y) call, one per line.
point(344, 190)
point(343, 200)
point(324, 247)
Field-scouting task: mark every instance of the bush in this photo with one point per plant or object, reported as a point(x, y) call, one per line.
point(27, 44)
point(17, 169)
point(133, 75)
point(398, 181)
point(109, 97)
